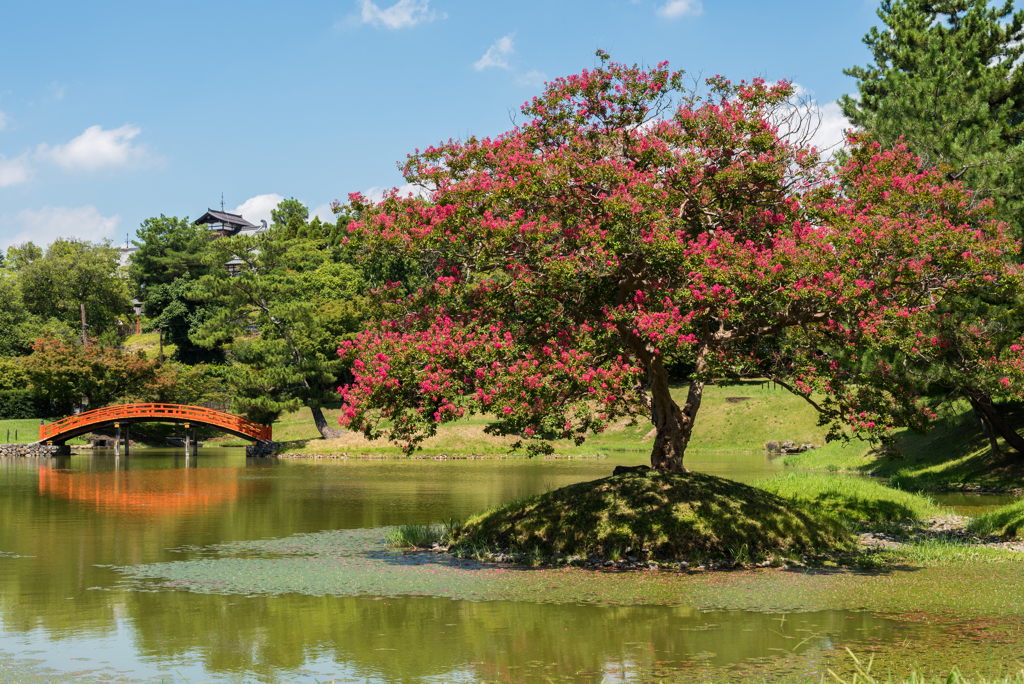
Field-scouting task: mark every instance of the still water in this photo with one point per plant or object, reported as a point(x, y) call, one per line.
point(227, 569)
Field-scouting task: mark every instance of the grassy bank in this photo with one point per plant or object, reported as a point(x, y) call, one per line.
point(858, 502)
point(687, 516)
point(732, 418)
point(1006, 522)
point(953, 455)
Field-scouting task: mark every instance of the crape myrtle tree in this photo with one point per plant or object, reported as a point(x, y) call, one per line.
point(944, 80)
point(867, 369)
point(627, 224)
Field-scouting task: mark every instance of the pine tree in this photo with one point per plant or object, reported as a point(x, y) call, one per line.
point(945, 78)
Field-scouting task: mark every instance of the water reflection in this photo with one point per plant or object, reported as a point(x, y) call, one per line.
point(62, 523)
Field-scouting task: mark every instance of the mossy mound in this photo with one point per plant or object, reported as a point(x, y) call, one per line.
point(1006, 522)
point(853, 499)
point(670, 515)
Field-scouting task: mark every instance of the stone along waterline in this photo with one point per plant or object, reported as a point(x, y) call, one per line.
point(224, 571)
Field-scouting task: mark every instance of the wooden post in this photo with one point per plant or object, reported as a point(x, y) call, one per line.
point(187, 453)
point(117, 440)
point(85, 338)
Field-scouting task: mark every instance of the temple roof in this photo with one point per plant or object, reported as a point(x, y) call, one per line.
point(212, 216)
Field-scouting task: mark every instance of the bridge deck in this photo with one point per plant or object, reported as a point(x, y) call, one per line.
point(76, 425)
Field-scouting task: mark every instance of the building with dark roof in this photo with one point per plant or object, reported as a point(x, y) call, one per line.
point(225, 224)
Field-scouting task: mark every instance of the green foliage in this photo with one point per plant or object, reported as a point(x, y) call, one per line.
point(856, 501)
point(20, 256)
point(71, 273)
point(944, 77)
point(173, 254)
point(290, 214)
point(12, 375)
point(22, 404)
point(672, 515)
point(63, 372)
point(281, 314)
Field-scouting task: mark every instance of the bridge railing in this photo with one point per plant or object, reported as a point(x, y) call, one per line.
point(156, 412)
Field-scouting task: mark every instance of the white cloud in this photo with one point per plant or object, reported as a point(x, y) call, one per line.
point(258, 208)
point(497, 54)
point(402, 14)
point(376, 193)
point(43, 226)
point(831, 133)
point(802, 120)
point(97, 148)
point(678, 8)
point(14, 171)
point(532, 78)
point(324, 212)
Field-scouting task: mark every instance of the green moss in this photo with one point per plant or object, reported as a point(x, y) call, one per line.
point(672, 515)
point(851, 498)
point(1007, 521)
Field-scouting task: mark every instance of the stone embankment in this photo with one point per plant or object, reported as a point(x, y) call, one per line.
point(788, 447)
point(33, 450)
point(261, 449)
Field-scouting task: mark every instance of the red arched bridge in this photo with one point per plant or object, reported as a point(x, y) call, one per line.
point(73, 426)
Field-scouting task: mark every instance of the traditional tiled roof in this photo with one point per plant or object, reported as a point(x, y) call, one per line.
point(212, 216)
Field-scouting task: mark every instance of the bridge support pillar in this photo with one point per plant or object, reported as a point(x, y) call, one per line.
point(117, 440)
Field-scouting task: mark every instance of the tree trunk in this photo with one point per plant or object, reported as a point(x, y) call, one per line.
point(987, 430)
point(674, 425)
point(982, 403)
point(321, 424)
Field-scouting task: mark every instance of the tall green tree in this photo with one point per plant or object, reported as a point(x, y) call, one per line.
point(944, 76)
point(287, 211)
point(19, 256)
point(72, 273)
point(283, 312)
point(173, 255)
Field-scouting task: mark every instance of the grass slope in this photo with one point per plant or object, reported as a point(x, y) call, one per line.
point(854, 500)
point(732, 418)
point(674, 516)
point(1007, 522)
point(953, 454)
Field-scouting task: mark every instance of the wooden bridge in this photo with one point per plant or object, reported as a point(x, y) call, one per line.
point(73, 426)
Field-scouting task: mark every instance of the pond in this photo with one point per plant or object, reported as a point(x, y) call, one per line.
point(219, 568)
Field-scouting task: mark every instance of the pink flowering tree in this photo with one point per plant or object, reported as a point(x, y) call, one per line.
point(628, 225)
point(949, 333)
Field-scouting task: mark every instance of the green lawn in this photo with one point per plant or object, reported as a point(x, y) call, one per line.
point(732, 418)
point(952, 454)
point(27, 431)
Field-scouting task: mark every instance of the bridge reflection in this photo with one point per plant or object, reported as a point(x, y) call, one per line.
point(149, 492)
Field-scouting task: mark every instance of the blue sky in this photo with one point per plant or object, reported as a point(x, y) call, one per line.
point(113, 112)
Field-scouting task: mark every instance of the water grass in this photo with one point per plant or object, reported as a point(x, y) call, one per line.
point(414, 536)
point(858, 501)
point(659, 515)
point(861, 673)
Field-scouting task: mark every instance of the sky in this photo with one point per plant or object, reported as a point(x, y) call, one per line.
point(114, 112)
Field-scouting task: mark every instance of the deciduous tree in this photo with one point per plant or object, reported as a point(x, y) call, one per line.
point(628, 223)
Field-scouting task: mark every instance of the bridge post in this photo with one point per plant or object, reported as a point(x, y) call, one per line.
point(117, 440)
point(187, 452)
